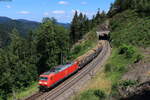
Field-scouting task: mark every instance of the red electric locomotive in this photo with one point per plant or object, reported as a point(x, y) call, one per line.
point(56, 74)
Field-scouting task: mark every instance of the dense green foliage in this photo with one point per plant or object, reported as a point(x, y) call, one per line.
point(23, 27)
point(52, 41)
point(128, 51)
point(94, 94)
point(119, 61)
point(130, 28)
point(17, 64)
point(89, 41)
point(24, 59)
point(142, 6)
point(81, 25)
point(118, 64)
point(7, 24)
point(121, 84)
point(126, 83)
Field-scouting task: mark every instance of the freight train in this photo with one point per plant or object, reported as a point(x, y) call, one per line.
point(55, 75)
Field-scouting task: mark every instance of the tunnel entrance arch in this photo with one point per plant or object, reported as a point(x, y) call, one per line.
point(103, 35)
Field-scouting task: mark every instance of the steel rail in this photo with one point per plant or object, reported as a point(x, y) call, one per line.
point(51, 95)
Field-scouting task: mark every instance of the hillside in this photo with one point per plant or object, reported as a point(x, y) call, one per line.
point(133, 29)
point(48, 46)
point(7, 25)
point(23, 26)
point(89, 41)
point(128, 65)
point(129, 27)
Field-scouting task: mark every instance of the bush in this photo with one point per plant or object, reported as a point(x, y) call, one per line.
point(126, 83)
point(112, 68)
point(129, 27)
point(77, 49)
point(138, 58)
point(88, 95)
point(128, 50)
point(92, 95)
point(100, 94)
point(114, 86)
point(121, 69)
point(114, 91)
point(108, 68)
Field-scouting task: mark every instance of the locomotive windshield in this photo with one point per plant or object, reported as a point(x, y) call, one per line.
point(55, 69)
point(43, 78)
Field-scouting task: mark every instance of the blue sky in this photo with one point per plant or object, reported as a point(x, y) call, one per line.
point(62, 10)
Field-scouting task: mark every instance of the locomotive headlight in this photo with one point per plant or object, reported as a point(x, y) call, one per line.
point(40, 82)
point(45, 83)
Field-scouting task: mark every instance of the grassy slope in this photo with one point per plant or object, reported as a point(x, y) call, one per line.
point(25, 92)
point(127, 28)
point(106, 78)
point(130, 27)
point(89, 41)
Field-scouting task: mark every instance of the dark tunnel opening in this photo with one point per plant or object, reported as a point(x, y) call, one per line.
point(104, 37)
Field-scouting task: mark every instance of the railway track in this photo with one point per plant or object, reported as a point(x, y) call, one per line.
point(51, 95)
point(34, 96)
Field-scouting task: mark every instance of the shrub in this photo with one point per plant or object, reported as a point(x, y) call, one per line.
point(92, 95)
point(77, 49)
point(126, 83)
point(88, 95)
point(108, 68)
point(114, 86)
point(99, 93)
point(121, 69)
point(138, 58)
point(114, 91)
point(128, 50)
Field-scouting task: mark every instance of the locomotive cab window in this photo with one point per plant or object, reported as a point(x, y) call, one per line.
point(57, 69)
point(43, 78)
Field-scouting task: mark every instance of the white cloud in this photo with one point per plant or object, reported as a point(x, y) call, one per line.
point(46, 14)
point(8, 6)
point(58, 12)
point(24, 12)
point(63, 2)
point(83, 3)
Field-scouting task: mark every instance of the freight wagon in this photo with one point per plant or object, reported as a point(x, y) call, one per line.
point(55, 75)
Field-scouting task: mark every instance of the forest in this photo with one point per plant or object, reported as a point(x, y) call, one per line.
point(24, 58)
point(141, 6)
point(130, 22)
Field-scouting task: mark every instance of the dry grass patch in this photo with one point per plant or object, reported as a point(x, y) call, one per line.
point(99, 82)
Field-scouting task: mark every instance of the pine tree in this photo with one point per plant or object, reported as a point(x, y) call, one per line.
point(51, 44)
point(18, 71)
point(74, 28)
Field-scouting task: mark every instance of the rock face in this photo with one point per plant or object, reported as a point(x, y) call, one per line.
point(139, 92)
point(139, 72)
